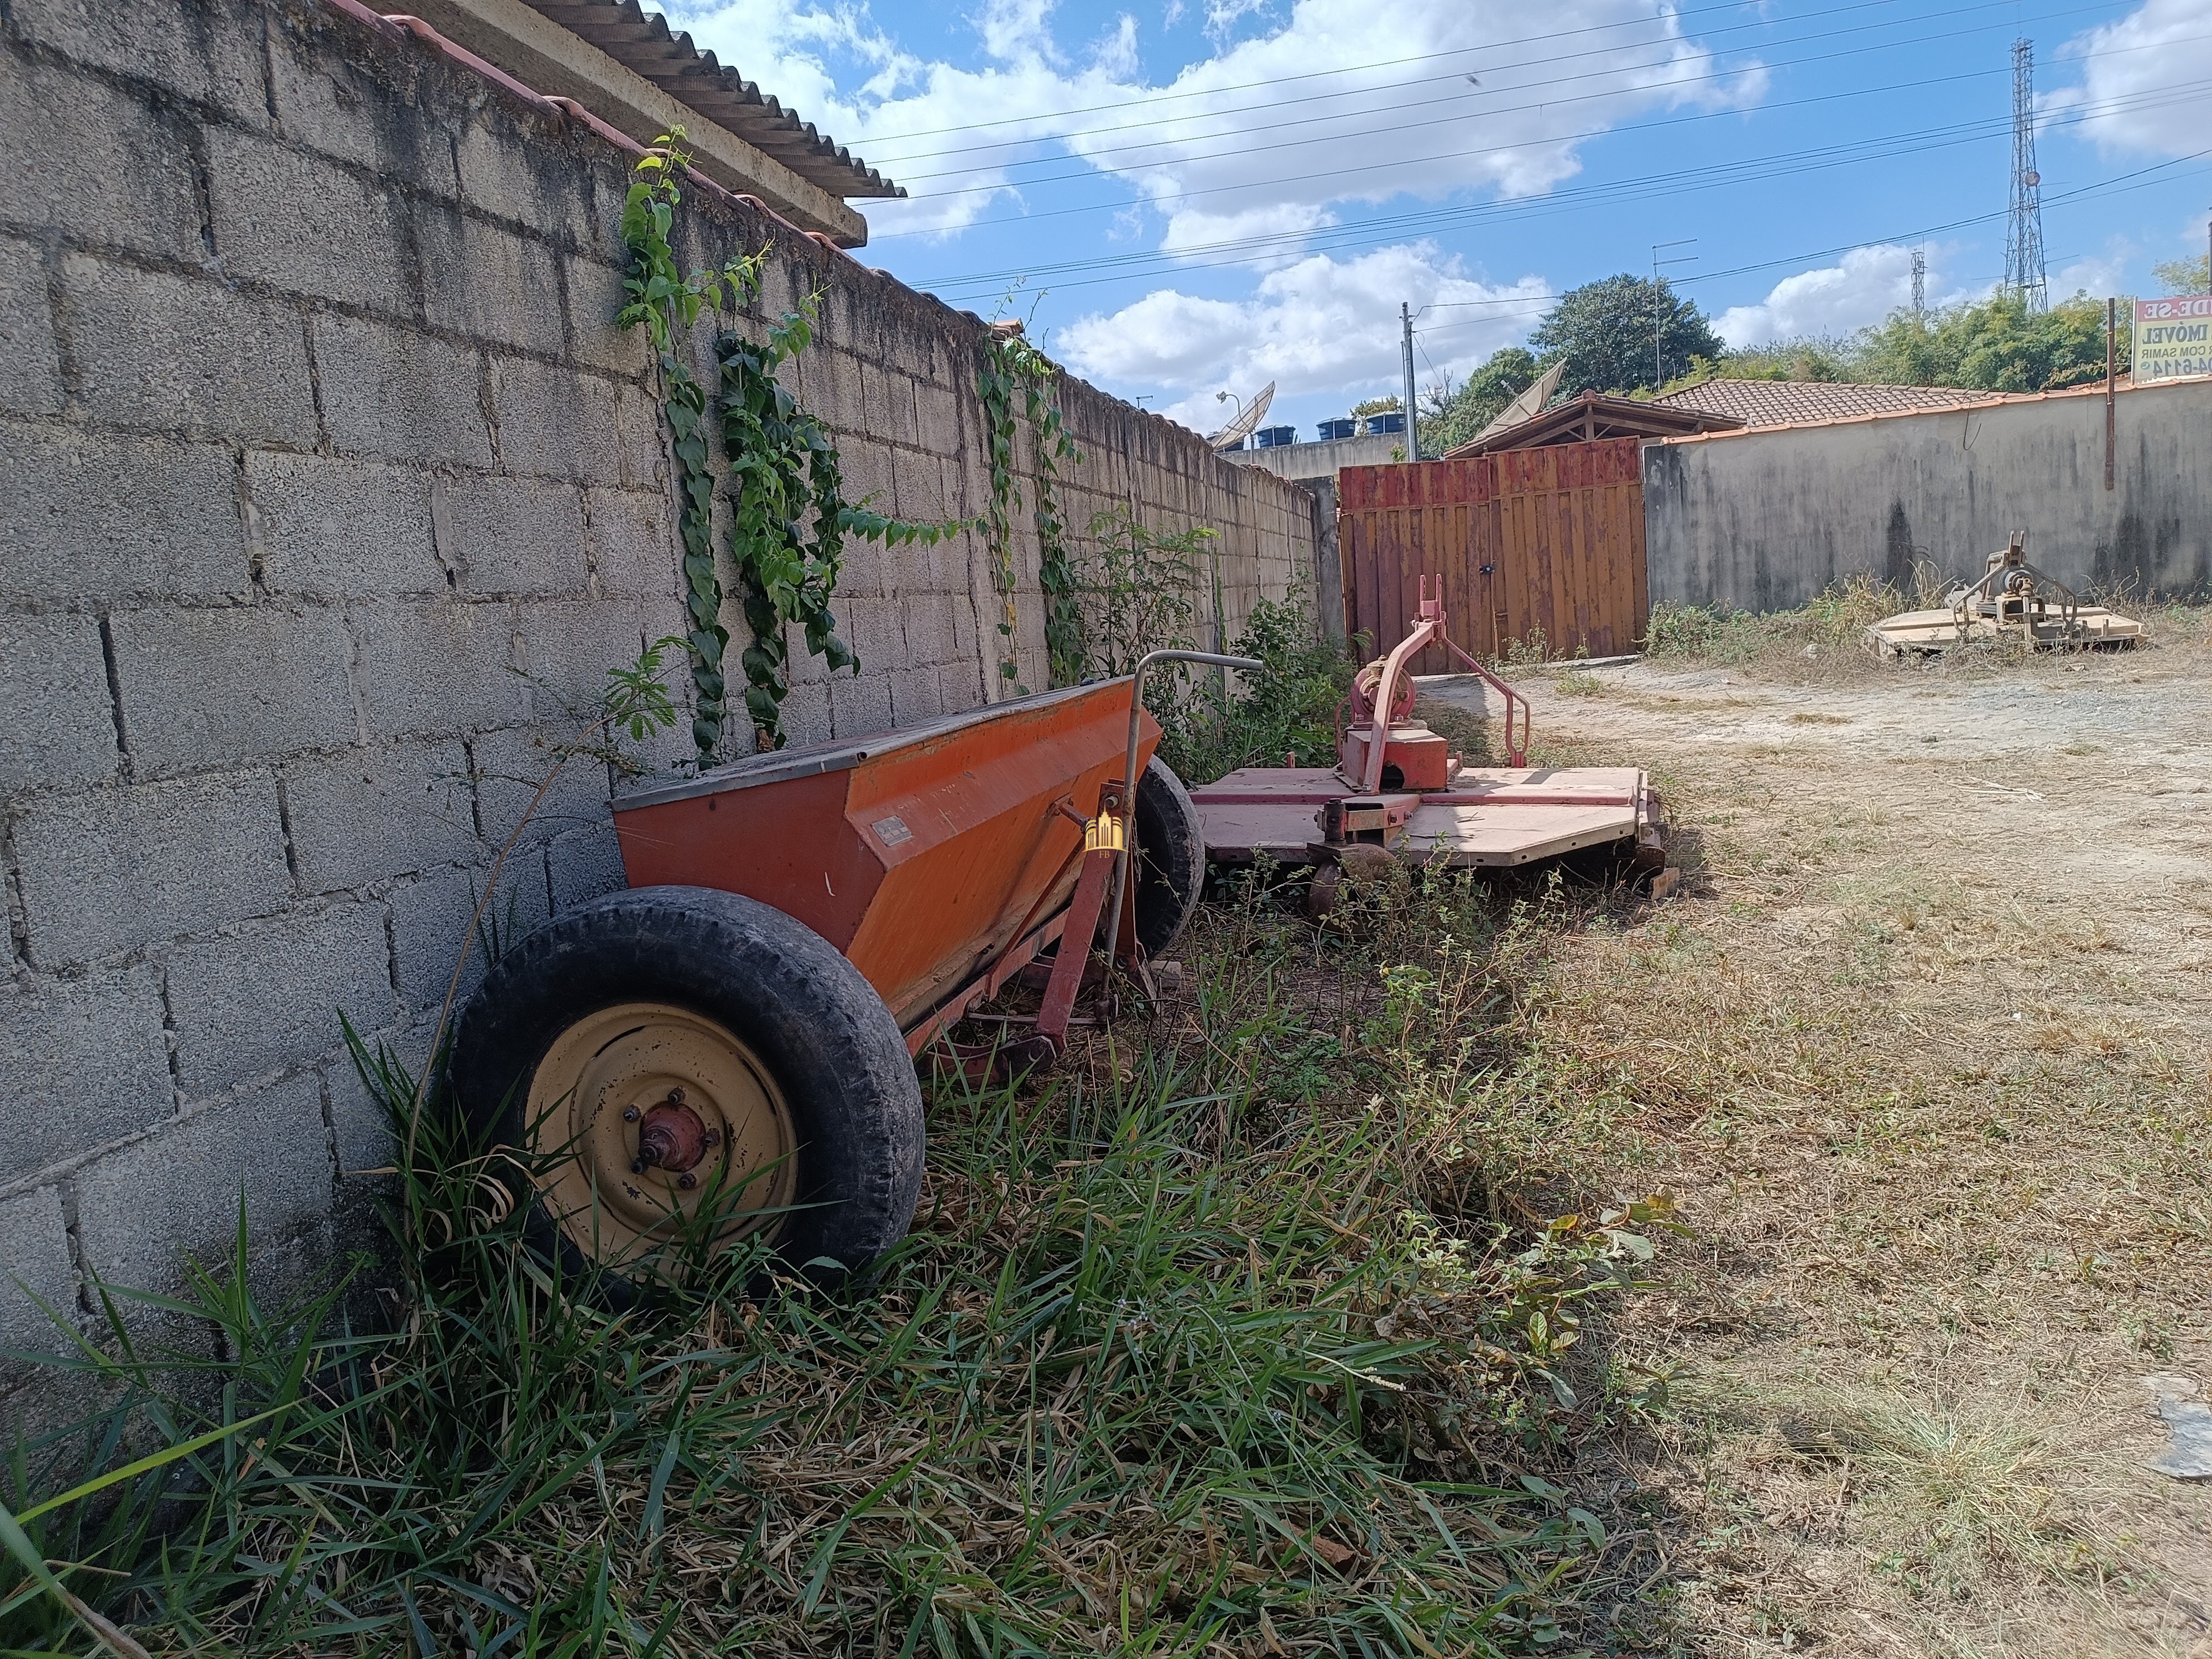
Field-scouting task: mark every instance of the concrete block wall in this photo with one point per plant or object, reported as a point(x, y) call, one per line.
point(1764, 519)
point(327, 491)
point(1167, 477)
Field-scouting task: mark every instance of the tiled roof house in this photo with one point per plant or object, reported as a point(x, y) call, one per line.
point(1810, 403)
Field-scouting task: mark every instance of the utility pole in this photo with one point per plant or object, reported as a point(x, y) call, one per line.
point(1659, 301)
point(1412, 425)
point(2024, 232)
point(1919, 284)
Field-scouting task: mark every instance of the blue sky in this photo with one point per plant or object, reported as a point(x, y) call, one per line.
point(1189, 195)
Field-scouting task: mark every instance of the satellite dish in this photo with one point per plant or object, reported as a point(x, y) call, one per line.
point(1529, 404)
point(1245, 424)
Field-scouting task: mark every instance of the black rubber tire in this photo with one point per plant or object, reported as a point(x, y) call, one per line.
point(1170, 858)
point(833, 1047)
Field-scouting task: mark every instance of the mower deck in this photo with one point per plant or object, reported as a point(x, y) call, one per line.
point(2087, 627)
point(2012, 598)
point(1497, 817)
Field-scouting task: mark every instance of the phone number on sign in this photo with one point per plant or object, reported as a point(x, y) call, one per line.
point(2170, 369)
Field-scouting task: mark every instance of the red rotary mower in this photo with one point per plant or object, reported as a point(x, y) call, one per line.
point(1398, 790)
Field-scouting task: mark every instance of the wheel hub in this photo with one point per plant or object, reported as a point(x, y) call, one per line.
point(647, 1121)
point(670, 1137)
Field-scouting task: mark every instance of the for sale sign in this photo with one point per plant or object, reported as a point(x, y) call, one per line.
point(2173, 338)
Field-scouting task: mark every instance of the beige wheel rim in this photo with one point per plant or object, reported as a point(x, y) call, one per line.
point(648, 1082)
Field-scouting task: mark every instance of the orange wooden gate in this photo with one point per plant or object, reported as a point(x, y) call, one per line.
point(1534, 545)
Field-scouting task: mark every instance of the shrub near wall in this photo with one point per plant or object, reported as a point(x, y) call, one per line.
point(328, 489)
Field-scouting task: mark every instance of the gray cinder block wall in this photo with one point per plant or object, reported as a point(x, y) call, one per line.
point(327, 488)
point(1315, 466)
point(1762, 520)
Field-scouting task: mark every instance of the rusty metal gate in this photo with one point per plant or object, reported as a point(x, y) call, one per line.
point(1535, 545)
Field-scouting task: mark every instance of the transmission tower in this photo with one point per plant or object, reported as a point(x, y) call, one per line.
point(1919, 283)
point(2024, 235)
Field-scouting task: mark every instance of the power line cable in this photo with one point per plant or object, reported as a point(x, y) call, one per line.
point(878, 237)
point(1736, 271)
point(1093, 169)
point(1315, 75)
point(2117, 185)
point(1301, 237)
point(1547, 299)
point(1063, 135)
point(1139, 264)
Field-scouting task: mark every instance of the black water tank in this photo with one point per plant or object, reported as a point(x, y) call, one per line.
point(1382, 425)
point(1343, 428)
point(1274, 437)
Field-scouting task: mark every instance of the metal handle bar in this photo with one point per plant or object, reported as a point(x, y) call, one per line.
point(1127, 855)
point(1517, 748)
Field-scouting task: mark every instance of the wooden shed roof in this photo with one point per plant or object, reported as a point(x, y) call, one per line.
point(1595, 415)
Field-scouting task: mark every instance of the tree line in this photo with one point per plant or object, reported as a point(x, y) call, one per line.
point(1603, 334)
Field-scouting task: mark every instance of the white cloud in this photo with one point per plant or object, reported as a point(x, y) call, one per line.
point(2094, 275)
point(1015, 29)
point(1409, 127)
point(1864, 287)
point(1198, 233)
point(1244, 153)
point(1114, 53)
point(1318, 325)
point(1211, 145)
point(2139, 66)
point(1869, 283)
point(1221, 17)
point(914, 104)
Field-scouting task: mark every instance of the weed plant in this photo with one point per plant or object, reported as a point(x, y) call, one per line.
point(1224, 1336)
point(1830, 627)
point(1288, 707)
point(1140, 590)
point(1826, 636)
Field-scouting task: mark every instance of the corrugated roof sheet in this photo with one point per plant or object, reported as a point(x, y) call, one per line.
point(1807, 403)
point(641, 41)
point(1973, 400)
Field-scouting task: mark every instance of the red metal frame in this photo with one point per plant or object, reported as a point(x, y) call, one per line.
point(1429, 628)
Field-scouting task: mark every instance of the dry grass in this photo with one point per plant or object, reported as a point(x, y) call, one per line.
point(1926, 1056)
point(1823, 643)
point(1337, 1310)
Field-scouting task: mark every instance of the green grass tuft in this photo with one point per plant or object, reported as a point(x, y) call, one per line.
point(1231, 1336)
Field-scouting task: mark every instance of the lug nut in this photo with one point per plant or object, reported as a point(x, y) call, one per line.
point(713, 1138)
point(687, 1181)
point(676, 1096)
point(629, 1113)
point(637, 1166)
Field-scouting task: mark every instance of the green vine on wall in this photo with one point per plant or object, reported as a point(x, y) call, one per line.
point(789, 517)
point(1011, 364)
point(784, 473)
point(667, 304)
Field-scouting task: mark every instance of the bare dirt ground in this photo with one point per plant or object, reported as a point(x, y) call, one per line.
point(1924, 1049)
